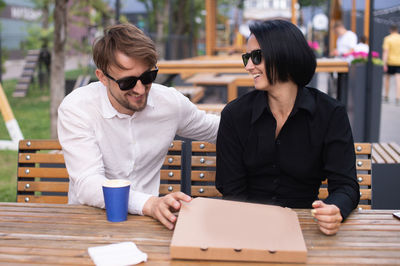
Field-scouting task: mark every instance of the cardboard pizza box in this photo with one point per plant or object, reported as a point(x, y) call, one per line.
point(214, 229)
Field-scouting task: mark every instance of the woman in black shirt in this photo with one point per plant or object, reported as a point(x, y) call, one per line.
point(277, 143)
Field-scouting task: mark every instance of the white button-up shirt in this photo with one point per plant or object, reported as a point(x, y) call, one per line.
point(100, 143)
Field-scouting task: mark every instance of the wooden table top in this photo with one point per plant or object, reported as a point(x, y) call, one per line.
point(61, 234)
point(233, 65)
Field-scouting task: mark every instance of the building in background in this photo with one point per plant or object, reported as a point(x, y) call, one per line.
point(15, 19)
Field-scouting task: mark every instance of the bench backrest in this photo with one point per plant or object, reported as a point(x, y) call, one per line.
point(43, 178)
point(204, 164)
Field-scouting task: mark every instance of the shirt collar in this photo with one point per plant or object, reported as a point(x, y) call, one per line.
point(108, 111)
point(304, 100)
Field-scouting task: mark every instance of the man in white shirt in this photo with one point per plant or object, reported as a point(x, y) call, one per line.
point(122, 125)
point(346, 40)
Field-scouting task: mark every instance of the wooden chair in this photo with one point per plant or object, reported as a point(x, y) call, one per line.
point(43, 178)
point(171, 171)
point(203, 168)
point(204, 165)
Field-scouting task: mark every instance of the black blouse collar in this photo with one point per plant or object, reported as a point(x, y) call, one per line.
point(304, 100)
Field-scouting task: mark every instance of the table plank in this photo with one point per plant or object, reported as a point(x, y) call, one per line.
point(52, 234)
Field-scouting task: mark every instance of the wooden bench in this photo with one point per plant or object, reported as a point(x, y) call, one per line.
point(204, 165)
point(386, 168)
point(43, 178)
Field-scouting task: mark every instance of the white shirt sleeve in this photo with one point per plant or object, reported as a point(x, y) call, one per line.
point(194, 123)
point(84, 163)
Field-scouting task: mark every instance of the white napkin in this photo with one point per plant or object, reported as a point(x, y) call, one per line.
point(125, 253)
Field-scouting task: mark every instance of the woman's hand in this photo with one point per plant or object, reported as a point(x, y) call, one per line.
point(327, 216)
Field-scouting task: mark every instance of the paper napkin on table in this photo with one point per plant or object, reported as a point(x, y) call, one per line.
point(125, 253)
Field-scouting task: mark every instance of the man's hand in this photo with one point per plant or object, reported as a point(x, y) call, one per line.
point(327, 216)
point(161, 208)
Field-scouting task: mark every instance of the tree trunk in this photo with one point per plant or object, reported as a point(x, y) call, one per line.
point(57, 80)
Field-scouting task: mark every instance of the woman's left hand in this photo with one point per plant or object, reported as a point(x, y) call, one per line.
point(327, 216)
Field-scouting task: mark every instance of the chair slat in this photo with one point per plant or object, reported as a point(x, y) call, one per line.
point(169, 188)
point(203, 175)
point(205, 161)
point(172, 160)
point(176, 145)
point(205, 191)
point(363, 164)
point(42, 199)
point(40, 158)
point(43, 172)
point(43, 186)
point(201, 146)
point(362, 148)
point(50, 144)
point(170, 174)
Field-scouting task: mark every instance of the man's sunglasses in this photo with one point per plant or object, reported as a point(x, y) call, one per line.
point(255, 55)
point(130, 82)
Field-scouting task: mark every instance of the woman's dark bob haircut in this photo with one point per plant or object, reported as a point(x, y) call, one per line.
point(286, 53)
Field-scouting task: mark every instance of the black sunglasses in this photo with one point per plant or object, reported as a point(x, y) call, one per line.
point(255, 56)
point(130, 82)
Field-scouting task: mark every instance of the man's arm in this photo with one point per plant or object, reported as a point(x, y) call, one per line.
point(84, 160)
point(195, 123)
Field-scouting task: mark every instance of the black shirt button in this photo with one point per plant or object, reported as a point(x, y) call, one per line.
point(274, 198)
point(278, 142)
point(273, 166)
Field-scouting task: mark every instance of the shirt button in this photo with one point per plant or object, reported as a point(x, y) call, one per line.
point(275, 180)
point(273, 166)
point(274, 198)
point(278, 142)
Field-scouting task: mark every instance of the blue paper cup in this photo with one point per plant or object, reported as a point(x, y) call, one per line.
point(116, 197)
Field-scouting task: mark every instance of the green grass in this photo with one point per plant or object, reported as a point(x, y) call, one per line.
point(33, 116)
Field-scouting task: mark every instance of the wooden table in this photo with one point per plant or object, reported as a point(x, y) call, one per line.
point(61, 234)
point(234, 65)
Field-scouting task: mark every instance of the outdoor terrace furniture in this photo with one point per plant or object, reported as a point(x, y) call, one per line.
point(386, 167)
point(43, 178)
point(189, 167)
point(60, 234)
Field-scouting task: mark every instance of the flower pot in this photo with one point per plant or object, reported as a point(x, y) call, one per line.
point(364, 109)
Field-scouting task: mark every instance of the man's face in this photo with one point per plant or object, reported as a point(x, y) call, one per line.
point(128, 101)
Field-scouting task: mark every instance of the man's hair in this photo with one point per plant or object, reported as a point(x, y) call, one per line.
point(127, 39)
point(286, 53)
point(393, 28)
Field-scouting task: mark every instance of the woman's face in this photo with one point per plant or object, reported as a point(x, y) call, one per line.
point(257, 71)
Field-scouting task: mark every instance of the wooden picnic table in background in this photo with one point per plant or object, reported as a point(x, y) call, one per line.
point(229, 71)
point(60, 234)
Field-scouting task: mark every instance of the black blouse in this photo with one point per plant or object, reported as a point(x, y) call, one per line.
point(315, 143)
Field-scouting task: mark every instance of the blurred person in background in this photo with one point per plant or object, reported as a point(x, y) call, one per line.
point(391, 61)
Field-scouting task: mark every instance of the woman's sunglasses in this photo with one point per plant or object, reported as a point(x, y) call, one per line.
point(130, 82)
point(255, 55)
